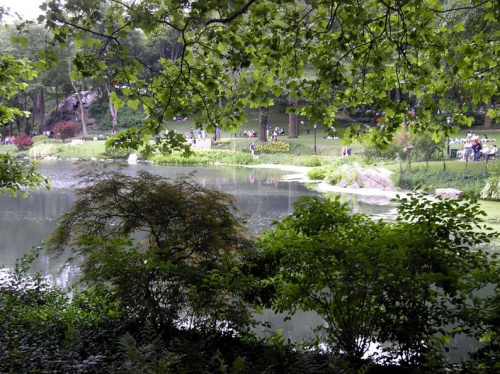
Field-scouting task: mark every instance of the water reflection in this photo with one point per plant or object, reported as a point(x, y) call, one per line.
point(26, 223)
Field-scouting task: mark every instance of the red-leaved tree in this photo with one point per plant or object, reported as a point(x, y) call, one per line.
point(23, 141)
point(65, 129)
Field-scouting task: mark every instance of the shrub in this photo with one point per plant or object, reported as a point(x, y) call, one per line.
point(23, 141)
point(405, 145)
point(65, 129)
point(317, 173)
point(39, 138)
point(240, 158)
point(313, 161)
point(492, 189)
point(273, 147)
point(43, 150)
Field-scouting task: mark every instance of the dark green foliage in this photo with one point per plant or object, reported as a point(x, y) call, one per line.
point(16, 174)
point(126, 117)
point(395, 283)
point(174, 252)
point(42, 330)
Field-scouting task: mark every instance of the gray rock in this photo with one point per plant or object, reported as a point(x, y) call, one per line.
point(378, 178)
point(449, 193)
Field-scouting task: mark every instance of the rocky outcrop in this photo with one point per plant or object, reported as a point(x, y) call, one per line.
point(67, 109)
point(378, 178)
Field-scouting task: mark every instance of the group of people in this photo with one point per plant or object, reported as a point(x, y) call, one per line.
point(476, 149)
point(191, 137)
point(249, 134)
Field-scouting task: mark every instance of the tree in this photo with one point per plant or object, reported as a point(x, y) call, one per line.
point(398, 284)
point(15, 174)
point(65, 129)
point(327, 55)
point(171, 251)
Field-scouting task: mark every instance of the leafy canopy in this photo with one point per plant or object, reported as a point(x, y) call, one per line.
point(325, 55)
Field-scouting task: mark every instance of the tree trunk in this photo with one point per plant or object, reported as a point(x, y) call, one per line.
point(112, 110)
point(38, 110)
point(293, 123)
point(56, 117)
point(487, 119)
point(80, 101)
point(176, 47)
point(264, 118)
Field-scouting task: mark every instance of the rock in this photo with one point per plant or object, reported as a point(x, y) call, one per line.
point(449, 193)
point(343, 183)
point(375, 200)
point(132, 159)
point(378, 178)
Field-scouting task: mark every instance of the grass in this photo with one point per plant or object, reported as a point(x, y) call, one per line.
point(451, 167)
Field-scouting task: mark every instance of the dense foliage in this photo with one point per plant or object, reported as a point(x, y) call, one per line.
point(23, 141)
point(173, 252)
point(399, 285)
point(65, 129)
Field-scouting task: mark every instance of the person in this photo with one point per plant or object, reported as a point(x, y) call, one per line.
point(493, 152)
point(467, 150)
point(198, 132)
point(476, 149)
point(485, 151)
point(217, 133)
point(252, 149)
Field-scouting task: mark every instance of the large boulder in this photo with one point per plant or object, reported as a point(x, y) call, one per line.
point(378, 178)
point(68, 109)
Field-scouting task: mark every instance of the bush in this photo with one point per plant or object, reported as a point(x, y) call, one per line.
point(430, 180)
point(65, 129)
point(405, 145)
point(44, 331)
point(317, 173)
point(39, 138)
point(191, 264)
point(23, 141)
point(273, 147)
point(491, 190)
point(313, 161)
point(43, 150)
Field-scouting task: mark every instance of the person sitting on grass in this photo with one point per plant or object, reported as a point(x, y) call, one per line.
point(493, 152)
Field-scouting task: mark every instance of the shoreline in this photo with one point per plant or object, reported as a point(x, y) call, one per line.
point(300, 175)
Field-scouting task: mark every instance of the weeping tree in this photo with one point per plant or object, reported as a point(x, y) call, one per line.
point(172, 252)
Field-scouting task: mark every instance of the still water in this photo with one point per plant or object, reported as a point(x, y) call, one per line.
point(26, 222)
